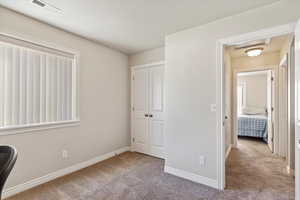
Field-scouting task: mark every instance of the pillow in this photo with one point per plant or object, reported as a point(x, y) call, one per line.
point(253, 111)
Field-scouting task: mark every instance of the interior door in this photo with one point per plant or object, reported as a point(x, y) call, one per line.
point(291, 107)
point(297, 106)
point(156, 110)
point(140, 138)
point(270, 106)
point(283, 108)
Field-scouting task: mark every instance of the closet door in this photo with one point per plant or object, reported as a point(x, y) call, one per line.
point(156, 111)
point(140, 128)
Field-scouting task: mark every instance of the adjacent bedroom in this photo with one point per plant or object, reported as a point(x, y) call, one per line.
point(254, 105)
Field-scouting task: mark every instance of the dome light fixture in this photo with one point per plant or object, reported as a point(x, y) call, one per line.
point(254, 52)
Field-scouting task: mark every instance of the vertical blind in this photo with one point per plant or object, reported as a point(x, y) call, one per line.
point(36, 87)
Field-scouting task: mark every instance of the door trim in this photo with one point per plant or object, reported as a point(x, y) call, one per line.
point(147, 65)
point(132, 68)
point(220, 78)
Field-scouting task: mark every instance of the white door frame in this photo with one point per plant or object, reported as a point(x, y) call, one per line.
point(220, 78)
point(283, 102)
point(132, 68)
point(234, 101)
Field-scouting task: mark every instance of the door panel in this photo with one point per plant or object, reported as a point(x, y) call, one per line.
point(157, 138)
point(156, 110)
point(158, 128)
point(140, 139)
point(156, 82)
point(140, 106)
point(156, 91)
point(140, 90)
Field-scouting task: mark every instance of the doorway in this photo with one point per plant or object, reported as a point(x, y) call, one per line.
point(254, 102)
point(224, 150)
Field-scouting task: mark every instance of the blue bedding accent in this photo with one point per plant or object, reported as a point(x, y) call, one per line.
point(252, 126)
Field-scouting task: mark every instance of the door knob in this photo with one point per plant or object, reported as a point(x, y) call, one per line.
point(146, 115)
point(150, 115)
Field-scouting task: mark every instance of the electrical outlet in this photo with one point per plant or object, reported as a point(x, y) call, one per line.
point(202, 161)
point(65, 154)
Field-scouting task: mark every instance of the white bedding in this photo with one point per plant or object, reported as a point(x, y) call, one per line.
point(254, 116)
point(253, 111)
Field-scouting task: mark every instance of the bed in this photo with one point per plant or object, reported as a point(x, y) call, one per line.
point(253, 126)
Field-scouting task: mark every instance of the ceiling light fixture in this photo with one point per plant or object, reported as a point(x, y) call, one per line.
point(254, 52)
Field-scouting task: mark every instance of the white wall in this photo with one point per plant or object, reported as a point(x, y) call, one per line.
point(104, 105)
point(286, 46)
point(256, 90)
point(266, 59)
point(150, 56)
point(191, 84)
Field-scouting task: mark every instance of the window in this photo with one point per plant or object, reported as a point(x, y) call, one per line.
point(38, 85)
point(241, 97)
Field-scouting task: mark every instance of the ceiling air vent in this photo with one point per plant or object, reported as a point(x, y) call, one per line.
point(38, 3)
point(253, 44)
point(46, 5)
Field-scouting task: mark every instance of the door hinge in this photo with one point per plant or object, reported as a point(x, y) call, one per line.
point(132, 108)
point(133, 140)
point(272, 78)
point(272, 109)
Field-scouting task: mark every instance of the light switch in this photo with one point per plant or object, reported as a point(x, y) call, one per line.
point(213, 107)
point(202, 160)
point(65, 154)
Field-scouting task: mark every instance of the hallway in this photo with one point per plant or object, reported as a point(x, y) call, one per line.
point(256, 173)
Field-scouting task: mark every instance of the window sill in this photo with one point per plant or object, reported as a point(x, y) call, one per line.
point(37, 127)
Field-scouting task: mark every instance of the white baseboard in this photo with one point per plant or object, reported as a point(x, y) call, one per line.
point(228, 151)
point(62, 172)
point(192, 177)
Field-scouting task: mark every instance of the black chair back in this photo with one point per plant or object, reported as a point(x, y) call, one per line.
point(8, 157)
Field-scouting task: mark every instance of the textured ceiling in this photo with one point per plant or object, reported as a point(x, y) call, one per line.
point(131, 25)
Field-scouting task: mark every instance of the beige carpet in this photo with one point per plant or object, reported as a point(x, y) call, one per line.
point(251, 174)
point(254, 173)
